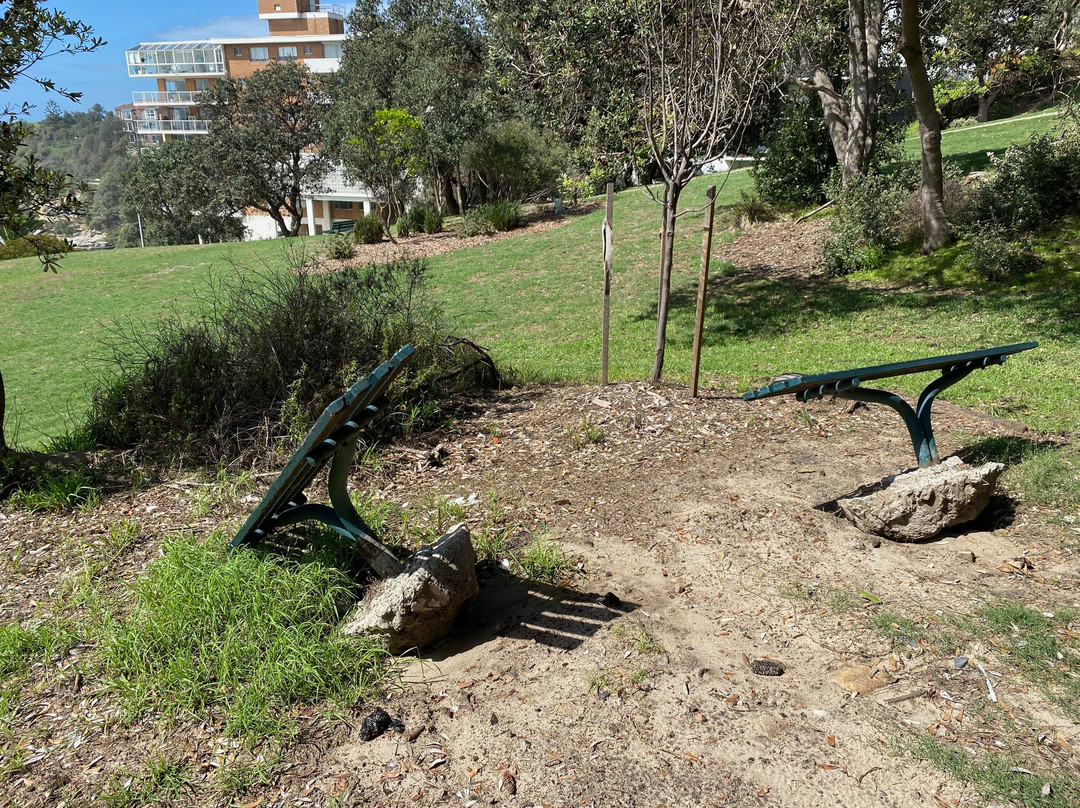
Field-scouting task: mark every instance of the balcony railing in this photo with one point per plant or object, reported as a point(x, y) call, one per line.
point(176, 58)
point(172, 98)
point(147, 127)
point(330, 8)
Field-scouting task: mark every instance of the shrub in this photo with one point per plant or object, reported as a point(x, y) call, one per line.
point(29, 246)
point(475, 223)
point(868, 213)
point(217, 385)
point(515, 161)
point(502, 215)
point(751, 208)
point(340, 247)
point(798, 157)
point(1029, 184)
point(420, 217)
point(960, 123)
point(433, 220)
point(368, 229)
point(991, 255)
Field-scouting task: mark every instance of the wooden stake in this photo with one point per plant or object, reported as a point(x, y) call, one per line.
point(608, 260)
point(703, 282)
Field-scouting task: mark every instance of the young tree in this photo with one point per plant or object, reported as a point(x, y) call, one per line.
point(266, 137)
point(32, 33)
point(385, 154)
point(936, 230)
point(174, 189)
point(707, 62)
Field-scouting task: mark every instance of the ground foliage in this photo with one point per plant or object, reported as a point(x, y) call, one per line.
point(273, 350)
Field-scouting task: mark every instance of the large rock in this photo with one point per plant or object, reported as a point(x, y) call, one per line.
point(417, 607)
point(922, 503)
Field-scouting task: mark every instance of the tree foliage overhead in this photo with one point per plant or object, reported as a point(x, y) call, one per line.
point(427, 59)
point(266, 140)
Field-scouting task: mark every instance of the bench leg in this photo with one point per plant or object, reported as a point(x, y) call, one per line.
point(381, 560)
point(922, 437)
point(926, 401)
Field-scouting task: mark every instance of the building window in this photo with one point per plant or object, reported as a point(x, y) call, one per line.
point(339, 205)
point(331, 51)
point(260, 54)
point(277, 6)
point(237, 51)
point(307, 50)
point(202, 85)
point(287, 53)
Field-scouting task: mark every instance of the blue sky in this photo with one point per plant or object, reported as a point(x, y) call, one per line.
point(101, 76)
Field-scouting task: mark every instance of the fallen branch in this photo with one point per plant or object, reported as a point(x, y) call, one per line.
point(818, 209)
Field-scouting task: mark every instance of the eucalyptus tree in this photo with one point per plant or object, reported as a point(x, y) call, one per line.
point(266, 140)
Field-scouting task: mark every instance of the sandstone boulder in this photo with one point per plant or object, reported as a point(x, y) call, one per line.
point(920, 504)
point(417, 607)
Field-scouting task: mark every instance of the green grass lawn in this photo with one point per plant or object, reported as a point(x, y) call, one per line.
point(535, 301)
point(969, 147)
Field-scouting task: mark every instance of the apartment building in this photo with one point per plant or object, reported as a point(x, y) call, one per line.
point(307, 31)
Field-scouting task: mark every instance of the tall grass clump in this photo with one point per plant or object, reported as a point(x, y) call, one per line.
point(240, 637)
point(273, 349)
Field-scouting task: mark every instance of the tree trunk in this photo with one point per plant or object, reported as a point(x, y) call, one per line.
point(667, 251)
point(986, 98)
point(936, 230)
point(852, 123)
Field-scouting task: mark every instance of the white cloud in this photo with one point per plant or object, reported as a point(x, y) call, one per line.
point(216, 28)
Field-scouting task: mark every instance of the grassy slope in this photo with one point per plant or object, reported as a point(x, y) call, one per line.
point(536, 302)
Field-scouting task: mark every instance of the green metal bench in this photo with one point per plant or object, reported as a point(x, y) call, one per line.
point(848, 384)
point(331, 440)
point(345, 226)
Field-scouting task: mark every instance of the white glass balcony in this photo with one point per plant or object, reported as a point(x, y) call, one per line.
point(174, 98)
point(176, 59)
point(148, 127)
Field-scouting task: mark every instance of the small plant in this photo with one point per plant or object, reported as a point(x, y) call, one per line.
point(545, 561)
point(841, 600)
point(404, 226)
point(433, 221)
point(368, 229)
point(227, 487)
point(236, 779)
point(340, 247)
point(492, 543)
point(866, 224)
point(123, 534)
point(645, 643)
point(751, 209)
point(599, 681)
point(586, 433)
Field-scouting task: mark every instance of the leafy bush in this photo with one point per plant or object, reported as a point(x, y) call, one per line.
point(29, 246)
point(1030, 184)
point(799, 156)
point(866, 224)
point(368, 229)
point(275, 348)
point(991, 255)
point(960, 123)
point(475, 223)
point(426, 218)
point(433, 220)
point(340, 247)
point(515, 161)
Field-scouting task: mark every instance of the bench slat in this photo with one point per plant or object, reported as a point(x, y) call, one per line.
point(337, 426)
point(797, 383)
